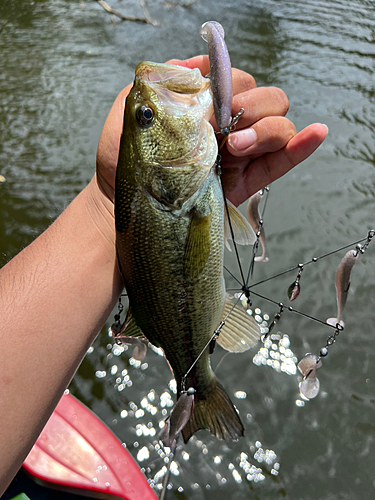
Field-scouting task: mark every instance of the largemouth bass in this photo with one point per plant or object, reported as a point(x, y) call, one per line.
point(169, 213)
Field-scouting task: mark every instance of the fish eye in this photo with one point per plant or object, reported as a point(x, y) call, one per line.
point(145, 114)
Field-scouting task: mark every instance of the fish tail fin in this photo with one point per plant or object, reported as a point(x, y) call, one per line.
point(215, 412)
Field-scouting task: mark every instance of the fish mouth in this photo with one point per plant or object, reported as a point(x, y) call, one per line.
point(183, 91)
point(171, 77)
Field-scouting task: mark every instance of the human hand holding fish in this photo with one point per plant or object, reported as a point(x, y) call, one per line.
point(80, 248)
point(170, 191)
point(264, 147)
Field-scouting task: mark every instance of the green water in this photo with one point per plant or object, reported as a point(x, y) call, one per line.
point(62, 63)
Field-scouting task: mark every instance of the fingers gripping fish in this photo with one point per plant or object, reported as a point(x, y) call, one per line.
point(169, 215)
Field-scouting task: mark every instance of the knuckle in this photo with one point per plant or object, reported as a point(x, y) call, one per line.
point(247, 80)
point(282, 100)
point(244, 81)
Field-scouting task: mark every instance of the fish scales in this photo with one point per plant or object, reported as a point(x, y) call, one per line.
point(165, 303)
point(169, 214)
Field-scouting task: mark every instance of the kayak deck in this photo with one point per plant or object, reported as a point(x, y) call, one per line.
point(76, 452)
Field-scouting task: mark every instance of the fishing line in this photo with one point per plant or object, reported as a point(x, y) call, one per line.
point(213, 336)
point(307, 366)
point(231, 227)
point(362, 249)
point(368, 238)
point(222, 359)
point(233, 276)
point(231, 128)
point(167, 474)
point(291, 309)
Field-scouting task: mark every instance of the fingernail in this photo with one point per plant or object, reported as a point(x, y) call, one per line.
point(242, 139)
point(324, 125)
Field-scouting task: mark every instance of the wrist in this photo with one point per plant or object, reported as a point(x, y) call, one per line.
point(100, 210)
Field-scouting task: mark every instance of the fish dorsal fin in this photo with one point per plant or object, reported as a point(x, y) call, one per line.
point(130, 328)
point(240, 330)
point(243, 232)
point(197, 249)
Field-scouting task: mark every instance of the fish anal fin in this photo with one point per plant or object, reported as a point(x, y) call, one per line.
point(215, 413)
point(242, 230)
point(240, 331)
point(197, 249)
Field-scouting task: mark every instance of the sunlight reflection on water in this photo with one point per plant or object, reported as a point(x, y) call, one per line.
point(146, 417)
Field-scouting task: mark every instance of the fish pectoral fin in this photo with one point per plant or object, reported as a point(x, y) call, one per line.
point(242, 231)
point(130, 329)
point(240, 331)
point(197, 249)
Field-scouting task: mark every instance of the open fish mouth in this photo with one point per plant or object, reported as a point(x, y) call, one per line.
point(174, 78)
point(183, 93)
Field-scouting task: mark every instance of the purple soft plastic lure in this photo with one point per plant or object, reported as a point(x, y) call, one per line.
point(220, 74)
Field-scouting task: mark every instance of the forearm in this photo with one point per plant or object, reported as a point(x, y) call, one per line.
point(54, 298)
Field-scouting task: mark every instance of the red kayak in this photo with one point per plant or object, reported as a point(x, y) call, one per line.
point(76, 452)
